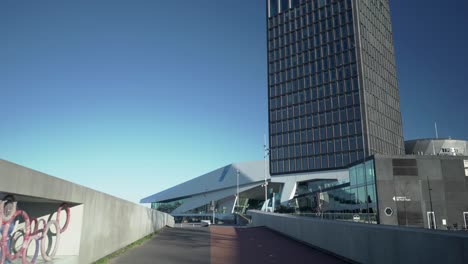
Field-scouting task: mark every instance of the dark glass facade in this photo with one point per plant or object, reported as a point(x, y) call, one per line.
point(353, 199)
point(328, 107)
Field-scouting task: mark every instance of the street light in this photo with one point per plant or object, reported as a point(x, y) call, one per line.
point(237, 195)
point(265, 154)
point(430, 203)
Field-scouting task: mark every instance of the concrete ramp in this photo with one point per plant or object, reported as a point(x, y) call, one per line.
point(223, 245)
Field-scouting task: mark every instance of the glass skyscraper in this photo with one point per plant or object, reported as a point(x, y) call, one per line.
point(332, 86)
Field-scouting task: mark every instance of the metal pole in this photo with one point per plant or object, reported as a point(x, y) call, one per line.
point(406, 216)
point(430, 199)
point(237, 188)
point(213, 207)
point(265, 169)
point(437, 133)
point(430, 195)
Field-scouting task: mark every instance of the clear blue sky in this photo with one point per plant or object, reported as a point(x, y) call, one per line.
point(132, 97)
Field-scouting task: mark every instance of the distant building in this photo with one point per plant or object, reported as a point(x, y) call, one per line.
point(335, 131)
point(332, 85)
point(437, 146)
point(193, 200)
point(411, 190)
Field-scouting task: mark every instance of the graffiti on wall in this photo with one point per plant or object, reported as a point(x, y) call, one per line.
point(30, 235)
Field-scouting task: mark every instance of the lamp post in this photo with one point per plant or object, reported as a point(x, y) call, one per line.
point(429, 189)
point(213, 208)
point(265, 154)
point(430, 201)
point(237, 195)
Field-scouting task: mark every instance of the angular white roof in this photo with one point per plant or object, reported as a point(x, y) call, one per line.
point(222, 178)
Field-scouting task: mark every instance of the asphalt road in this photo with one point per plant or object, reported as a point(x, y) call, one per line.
point(222, 245)
point(171, 245)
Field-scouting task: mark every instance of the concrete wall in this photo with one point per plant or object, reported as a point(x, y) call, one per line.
point(439, 182)
point(366, 243)
point(107, 223)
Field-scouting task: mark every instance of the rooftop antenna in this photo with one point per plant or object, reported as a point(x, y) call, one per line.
point(437, 133)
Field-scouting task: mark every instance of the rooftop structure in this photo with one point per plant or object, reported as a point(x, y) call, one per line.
point(437, 146)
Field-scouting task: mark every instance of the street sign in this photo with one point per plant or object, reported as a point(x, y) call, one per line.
point(401, 199)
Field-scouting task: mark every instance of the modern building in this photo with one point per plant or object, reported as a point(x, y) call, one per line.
point(410, 190)
point(417, 191)
point(218, 189)
point(332, 86)
point(336, 140)
point(437, 146)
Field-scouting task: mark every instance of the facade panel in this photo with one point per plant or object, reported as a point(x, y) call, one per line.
point(442, 195)
point(379, 82)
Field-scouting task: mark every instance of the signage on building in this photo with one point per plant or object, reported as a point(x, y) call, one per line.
point(401, 199)
point(449, 151)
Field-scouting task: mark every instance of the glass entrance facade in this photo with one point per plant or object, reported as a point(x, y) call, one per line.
point(353, 199)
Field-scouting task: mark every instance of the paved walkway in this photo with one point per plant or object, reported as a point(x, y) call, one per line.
point(222, 245)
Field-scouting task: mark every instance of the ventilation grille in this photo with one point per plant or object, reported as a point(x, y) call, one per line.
point(404, 163)
point(405, 167)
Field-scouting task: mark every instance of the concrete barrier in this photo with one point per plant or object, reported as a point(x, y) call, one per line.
point(100, 224)
point(368, 243)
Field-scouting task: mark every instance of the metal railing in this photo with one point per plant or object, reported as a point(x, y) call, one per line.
point(370, 218)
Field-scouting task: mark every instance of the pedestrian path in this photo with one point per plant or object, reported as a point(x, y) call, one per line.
point(222, 245)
